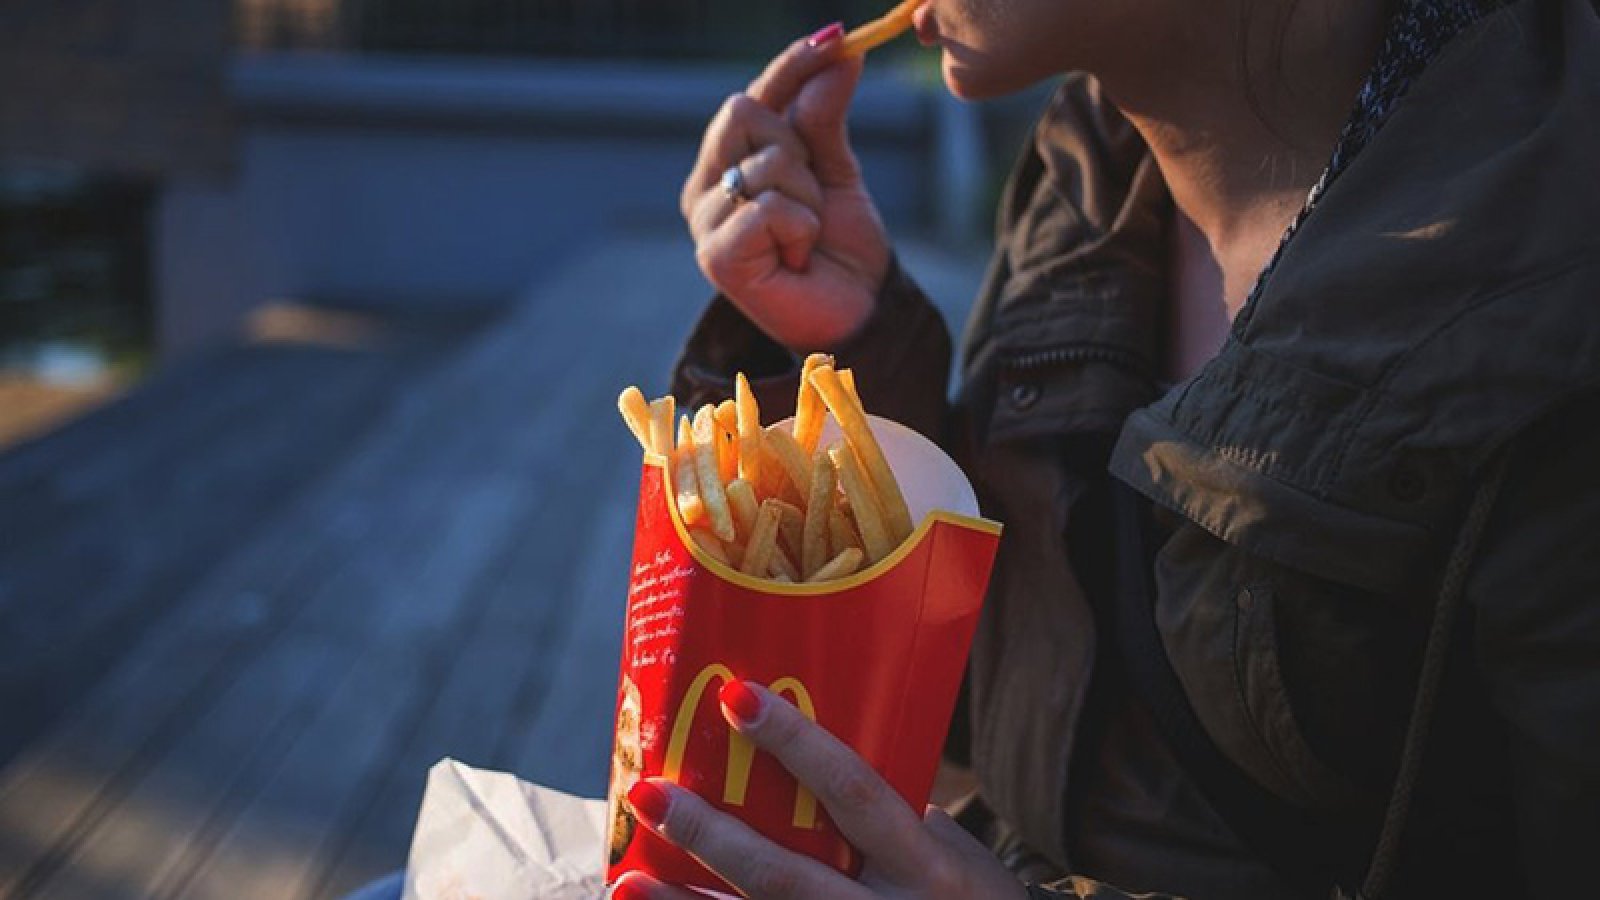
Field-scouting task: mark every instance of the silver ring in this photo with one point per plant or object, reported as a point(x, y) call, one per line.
point(733, 185)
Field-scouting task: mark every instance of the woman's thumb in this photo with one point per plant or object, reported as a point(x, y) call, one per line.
point(821, 112)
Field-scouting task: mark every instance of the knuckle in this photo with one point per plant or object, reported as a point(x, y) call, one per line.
point(779, 730)
point(773, 878)
point(739, 107)
point(943, 877)
point(852, 789)
point(711, 263)
point(687, 827)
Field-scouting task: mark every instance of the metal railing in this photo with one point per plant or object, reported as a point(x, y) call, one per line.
point(649, 29)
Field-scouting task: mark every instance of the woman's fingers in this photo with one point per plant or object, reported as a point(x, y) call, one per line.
point(865, 808)
point(774, 167)
point(756, 230)
point(814, 85)
point(639, 886)
point(819, 113)
point(740, 128)
point(780, 82)
point(745, 859)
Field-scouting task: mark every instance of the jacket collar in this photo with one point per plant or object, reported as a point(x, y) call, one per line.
point(1438, 298)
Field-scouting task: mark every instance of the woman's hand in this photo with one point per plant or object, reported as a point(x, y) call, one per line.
point(803, 251)
point(906, 855)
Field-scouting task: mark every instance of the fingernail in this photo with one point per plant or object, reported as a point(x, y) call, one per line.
point(743, 703)
point(825, 34)
point(649, 803)
point(631, 888)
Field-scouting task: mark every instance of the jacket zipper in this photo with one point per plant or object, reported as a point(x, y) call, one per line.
point(1075, 354)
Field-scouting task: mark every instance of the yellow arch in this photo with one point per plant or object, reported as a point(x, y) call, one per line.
point(741, 753)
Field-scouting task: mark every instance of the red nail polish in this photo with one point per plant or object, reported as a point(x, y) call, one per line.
point(649, 803)
point(744, 703)
point(631, 889)
point(825, 35)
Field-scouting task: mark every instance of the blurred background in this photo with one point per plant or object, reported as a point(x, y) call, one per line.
point(312, 318)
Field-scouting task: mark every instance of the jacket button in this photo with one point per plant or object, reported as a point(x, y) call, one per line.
point(1408, 483)
point(1024, 394)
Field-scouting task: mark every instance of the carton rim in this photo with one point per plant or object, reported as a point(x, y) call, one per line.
point(767, 586)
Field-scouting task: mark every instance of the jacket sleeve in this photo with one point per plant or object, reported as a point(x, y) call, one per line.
point(901, 357)
point(1536, 592)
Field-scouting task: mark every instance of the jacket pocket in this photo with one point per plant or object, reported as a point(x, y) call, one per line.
point(1217, 613)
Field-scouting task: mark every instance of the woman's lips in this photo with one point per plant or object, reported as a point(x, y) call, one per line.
point(926, 25)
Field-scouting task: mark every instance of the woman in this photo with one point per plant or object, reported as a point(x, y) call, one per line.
point(1285, 380)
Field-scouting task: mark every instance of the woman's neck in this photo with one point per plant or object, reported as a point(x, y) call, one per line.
point(1242, 115)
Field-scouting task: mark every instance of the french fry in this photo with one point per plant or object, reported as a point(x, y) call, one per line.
point(781, 566)
point(852, 420)
point(728, 416)
point(749, 422)
point(846, 563)
point(880, 31)
point(809, 412)
point(685, 483)
point(819, 505)
point(742, 500)
point(841, 534)
point(763, 541)
point(791, 525)
point(661, 413)
point(874, 533)
point(712, 495)
point(847, 377)
point(728, 446)
point(711, 544)
point(782, 447)
point(636, 412)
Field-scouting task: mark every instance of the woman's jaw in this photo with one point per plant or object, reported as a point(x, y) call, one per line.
point(989, 47)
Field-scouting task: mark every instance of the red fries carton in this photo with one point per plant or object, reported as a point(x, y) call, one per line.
point(875, 658)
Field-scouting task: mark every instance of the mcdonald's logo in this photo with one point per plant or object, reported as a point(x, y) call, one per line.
point(741, 753)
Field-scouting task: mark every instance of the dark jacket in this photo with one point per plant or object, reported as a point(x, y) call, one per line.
point(1437, 311)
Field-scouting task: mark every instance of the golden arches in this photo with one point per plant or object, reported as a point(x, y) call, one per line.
point(741, 753)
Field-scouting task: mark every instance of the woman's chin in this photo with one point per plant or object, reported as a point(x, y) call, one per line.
point(959, 80)
point(970, 83)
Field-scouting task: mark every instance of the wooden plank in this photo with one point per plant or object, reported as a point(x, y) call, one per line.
point(499, 659)
point(144, 840)
point(138, 550)
point(421, 551)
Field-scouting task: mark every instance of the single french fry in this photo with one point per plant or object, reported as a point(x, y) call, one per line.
point(863, 502)
point(763, 541)
point(782, 447)
point(636, 412)
point(819, 505)
point(846, 563)
point(809, 412)
point(742, 500)
point(791, 525)
point(841, 534)
point(661, 413)
point(685, 483)
point(728, 446)
point(782, 566)
point(858, 434)
point(728, 416)
point(705, 433)
point(711, 544)
point(749, 428)
point(878, 32)
point(847, 377)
